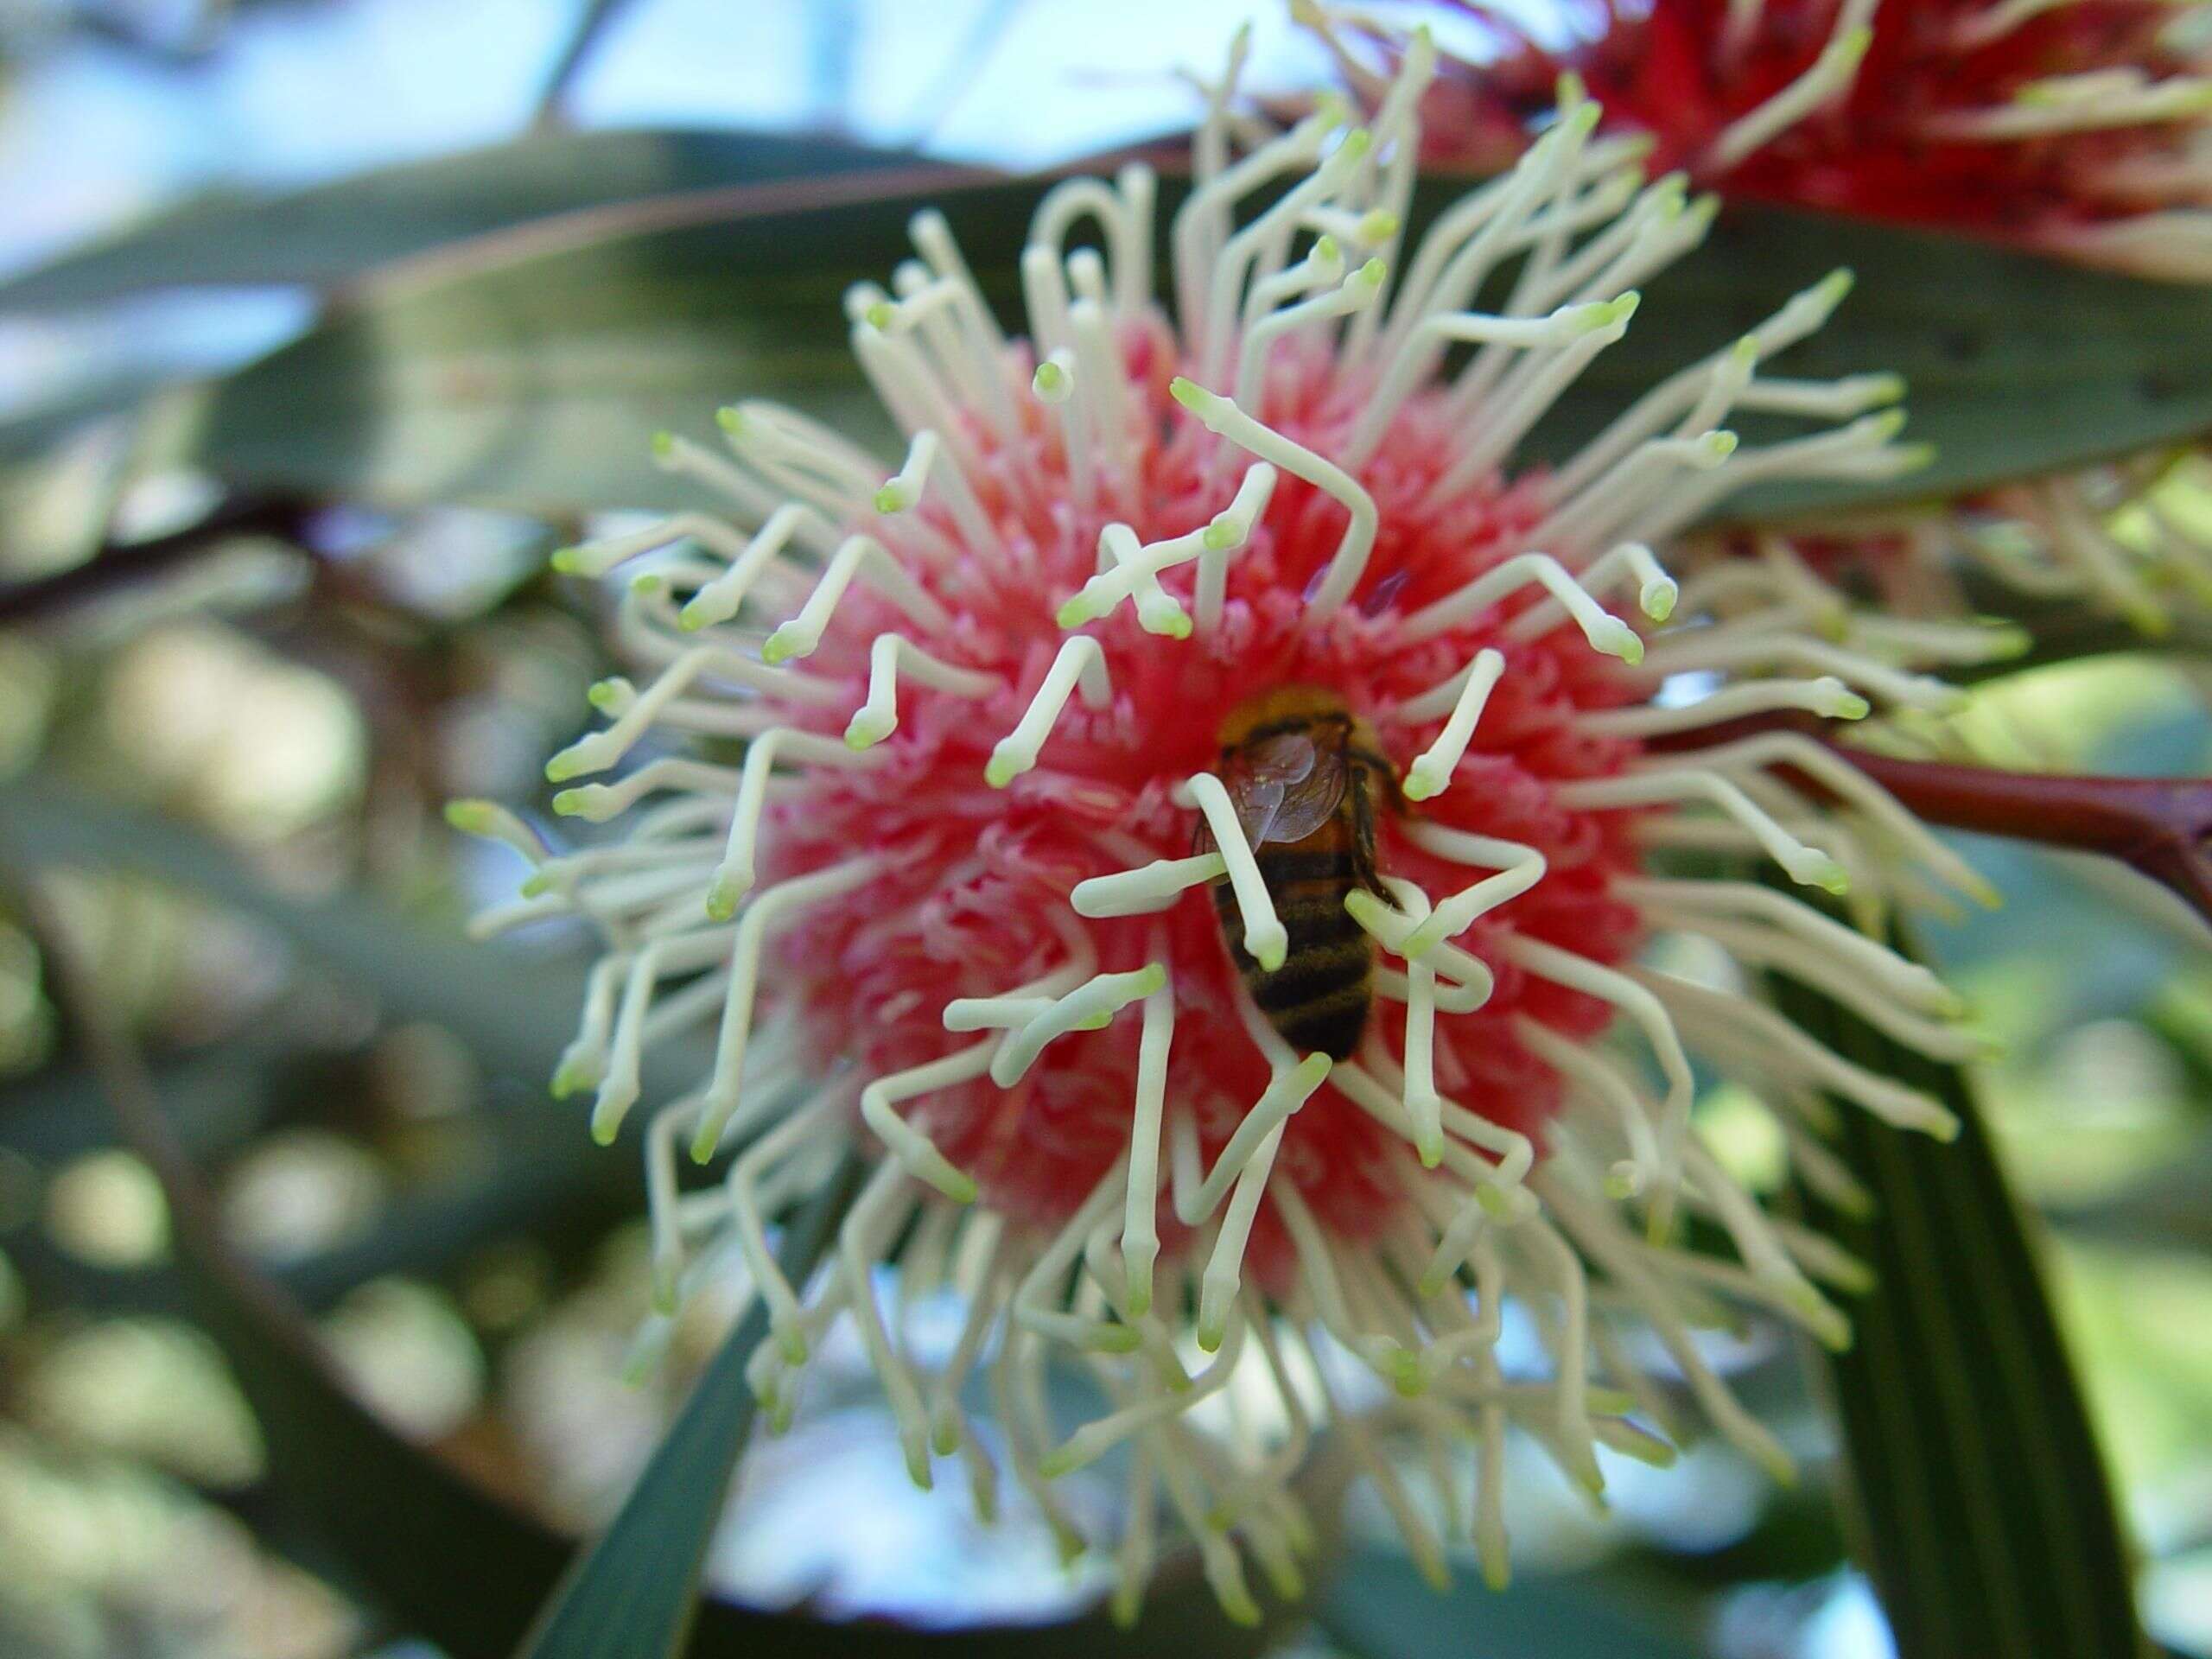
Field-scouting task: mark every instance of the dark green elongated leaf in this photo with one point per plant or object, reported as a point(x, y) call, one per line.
point(330, 234)
point(1381, 1609)
point(1987, 1520)
point(528, 371)
point(635, 1592)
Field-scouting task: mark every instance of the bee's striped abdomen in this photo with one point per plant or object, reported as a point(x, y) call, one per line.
point(1320, 997)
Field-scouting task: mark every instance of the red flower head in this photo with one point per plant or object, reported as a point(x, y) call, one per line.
point(2078, 125)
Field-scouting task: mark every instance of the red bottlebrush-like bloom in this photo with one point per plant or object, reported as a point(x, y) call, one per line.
point(1042, 874)
point(2076, 125)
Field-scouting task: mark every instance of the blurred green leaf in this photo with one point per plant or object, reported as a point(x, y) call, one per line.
point(2162, 1208)
point(330, 234)
point(2015, 365)
point(528, 370)
point(1380, 1608)
point(635, 1592)
point(1985, 1515)
point(514, 1019)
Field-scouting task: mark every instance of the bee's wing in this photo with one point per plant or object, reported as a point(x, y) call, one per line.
point(1311, 800)
point(1285, 787)
point(1259, 775)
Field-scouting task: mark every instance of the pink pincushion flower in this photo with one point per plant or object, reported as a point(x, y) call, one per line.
point(969, 905)
point(972, 897)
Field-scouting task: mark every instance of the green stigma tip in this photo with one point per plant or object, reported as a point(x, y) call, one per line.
point(879, 316)
point(564, 560)
point(664, 445)
point(891, 499)
point(729, 419)
point(471, 817)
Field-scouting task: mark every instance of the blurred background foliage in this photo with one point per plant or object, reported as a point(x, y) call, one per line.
point(222, 777)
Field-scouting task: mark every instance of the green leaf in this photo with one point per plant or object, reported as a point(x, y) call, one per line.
point(1985, 1514)
point(633, 1593)
point(1381, 1609)
point(530, 370)
point(513, 1011)
point(2015, 365)
point(330, 234)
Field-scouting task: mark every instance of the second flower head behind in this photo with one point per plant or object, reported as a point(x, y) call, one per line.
point(1198, 810)
point(2082, 127)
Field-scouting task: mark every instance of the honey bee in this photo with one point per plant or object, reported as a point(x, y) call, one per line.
point(1304, 774)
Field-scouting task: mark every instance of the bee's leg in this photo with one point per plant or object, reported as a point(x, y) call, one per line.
point(1363, 835)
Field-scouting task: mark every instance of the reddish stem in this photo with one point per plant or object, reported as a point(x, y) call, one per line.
point(2159, 826)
